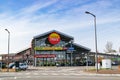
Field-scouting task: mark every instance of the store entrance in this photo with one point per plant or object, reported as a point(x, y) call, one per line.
point(48, 62)
point(45, 59)
point(56, 58)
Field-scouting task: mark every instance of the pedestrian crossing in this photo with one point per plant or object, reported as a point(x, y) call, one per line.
point(53, 74)
point(38, 73)
point(28, 75)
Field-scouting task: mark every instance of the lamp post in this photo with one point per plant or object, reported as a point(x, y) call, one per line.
point(71, 59)
point(96, 59)
point(8, 48)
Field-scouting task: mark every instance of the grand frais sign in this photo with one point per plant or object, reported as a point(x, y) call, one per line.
point(54, 38)
point(44, 55)
point(39, 48)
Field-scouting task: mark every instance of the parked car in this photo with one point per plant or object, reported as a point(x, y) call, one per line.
point(2, 65)
point(114, 63)
point(11, 65)
point(90, 63)
point(22, 66)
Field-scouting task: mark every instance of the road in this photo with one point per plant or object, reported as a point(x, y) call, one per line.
point(56, 77)
point(55, 74)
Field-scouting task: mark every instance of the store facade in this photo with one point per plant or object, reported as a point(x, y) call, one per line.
point(56, 48)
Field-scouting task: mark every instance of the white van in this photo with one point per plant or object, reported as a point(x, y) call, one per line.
point(23, 66)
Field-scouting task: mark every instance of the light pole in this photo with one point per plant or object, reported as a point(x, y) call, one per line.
point(8, 49)
point(96, 59)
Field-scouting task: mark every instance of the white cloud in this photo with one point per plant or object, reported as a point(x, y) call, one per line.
point(35, 7)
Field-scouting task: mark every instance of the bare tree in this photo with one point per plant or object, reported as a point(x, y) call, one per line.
point(108, 47)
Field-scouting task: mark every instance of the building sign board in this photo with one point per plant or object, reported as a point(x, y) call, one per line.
point(50, 48)
point(44, 55)
point(71, 48)
point(54, 38)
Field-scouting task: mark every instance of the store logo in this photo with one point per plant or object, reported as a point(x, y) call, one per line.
point(54, 38)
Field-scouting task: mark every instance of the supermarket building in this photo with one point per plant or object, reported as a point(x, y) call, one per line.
point(56, 48)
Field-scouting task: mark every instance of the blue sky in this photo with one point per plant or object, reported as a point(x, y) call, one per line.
point(27, 18)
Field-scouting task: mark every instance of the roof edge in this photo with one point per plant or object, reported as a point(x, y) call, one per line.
point(82, 46)
point(50, 32)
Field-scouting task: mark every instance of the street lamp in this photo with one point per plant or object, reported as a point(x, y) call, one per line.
point(95, 39)
point(8, 49)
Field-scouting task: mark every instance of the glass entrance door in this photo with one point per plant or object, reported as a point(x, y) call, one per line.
point(48, 62)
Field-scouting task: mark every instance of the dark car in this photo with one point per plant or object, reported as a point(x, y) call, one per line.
point(2, 65)
point(89, 63)
point(114, 63)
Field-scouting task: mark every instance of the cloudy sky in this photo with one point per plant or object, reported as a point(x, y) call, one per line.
point(27, 18)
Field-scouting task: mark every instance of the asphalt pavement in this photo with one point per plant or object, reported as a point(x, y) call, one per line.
point(57, 73)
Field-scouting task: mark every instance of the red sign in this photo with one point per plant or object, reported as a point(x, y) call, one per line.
point(54, 38)
point(45, 56)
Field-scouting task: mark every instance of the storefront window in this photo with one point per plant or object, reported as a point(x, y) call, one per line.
point(46, 61)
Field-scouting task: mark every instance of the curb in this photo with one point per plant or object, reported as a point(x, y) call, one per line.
point(96, 74)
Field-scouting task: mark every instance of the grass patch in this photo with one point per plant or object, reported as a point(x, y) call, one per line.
point(94, 69)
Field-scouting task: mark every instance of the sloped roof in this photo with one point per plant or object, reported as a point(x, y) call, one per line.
point(105, 54)
point(47, 33)
point(11, 54)
point(81, 47)
point(78, 47)
point(23, 50)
